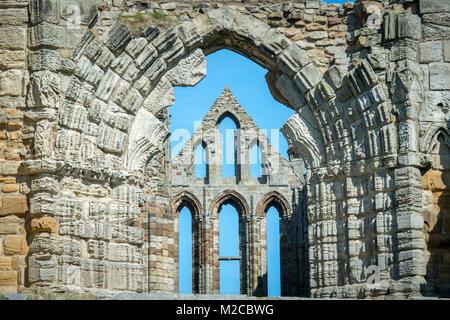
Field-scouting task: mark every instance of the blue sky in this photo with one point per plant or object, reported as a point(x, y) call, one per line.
point(246, 81)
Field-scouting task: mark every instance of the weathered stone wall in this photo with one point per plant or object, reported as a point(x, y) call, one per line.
point(436, 215)
point(85, 152)
point(13, 145)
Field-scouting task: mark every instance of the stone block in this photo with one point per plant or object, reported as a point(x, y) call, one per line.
point(146, 58)
point(105, 58)
point(44, 10)
point(14, 205)
point(156, 69)
point(170, 6)
point(432, 6)
point(44, 59)
point(9, 228)
point(14, 17)
point(274, 42)
point(312, 4)
point(135, 47)
point(44, 89)
point(12, 59)
point(9, 188)
point(307, 78)
point(118, 37)
point(42, 268)
point(412, 221)
point(111, 140)
point(47, 35)
point(5, 263)
point(446, 50)
point(11, 83)
point(8, 278)
point(15, 245)
point(289, 91)
point(432, 32)
point(12, 38)
point(293, 59)
point(107, 85)
point(402, 25)
point(218, 19)
point(439, 76)
point(10, 167)
point(430, 51)
point(189, 35)
point(189, 71)
point(169, 45)
point(316, 35)
point(151, 33)
point(44, 224)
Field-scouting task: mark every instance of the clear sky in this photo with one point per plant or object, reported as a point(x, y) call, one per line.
point(246, 80)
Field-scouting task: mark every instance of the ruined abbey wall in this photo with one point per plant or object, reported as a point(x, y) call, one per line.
point(85, 152)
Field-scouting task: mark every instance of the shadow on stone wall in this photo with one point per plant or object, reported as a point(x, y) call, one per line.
point(436, 183)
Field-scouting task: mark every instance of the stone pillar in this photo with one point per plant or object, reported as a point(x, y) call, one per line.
point(162, 256)
point(410, 240)
point(199, 256)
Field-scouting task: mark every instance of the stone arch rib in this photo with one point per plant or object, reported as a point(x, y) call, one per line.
point(188, 199)
point(230, 197)
point(277, 200)
point(431, 136)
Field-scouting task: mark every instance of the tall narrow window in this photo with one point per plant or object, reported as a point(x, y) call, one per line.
point(229, 250)
point(201, 166)
point(185, 251)
point(228, 129)
point(273, 253)
point(255, 161)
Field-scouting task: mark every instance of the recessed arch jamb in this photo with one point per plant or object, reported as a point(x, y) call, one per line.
point(228, 114)
point(189, 200)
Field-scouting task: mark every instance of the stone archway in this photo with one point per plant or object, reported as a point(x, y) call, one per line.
point(351, 139)
point(187, 199)
point(436, 215)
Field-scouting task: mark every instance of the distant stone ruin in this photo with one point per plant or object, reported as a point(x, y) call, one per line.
point(89, 194)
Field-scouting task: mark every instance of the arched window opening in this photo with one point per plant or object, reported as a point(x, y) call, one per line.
point(185, 251)
point(273, 253)
point(255, 161)
point(229, 250)
point(201, 162)
point(228, 128)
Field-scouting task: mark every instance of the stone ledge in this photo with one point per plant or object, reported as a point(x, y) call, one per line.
point(172, 297)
